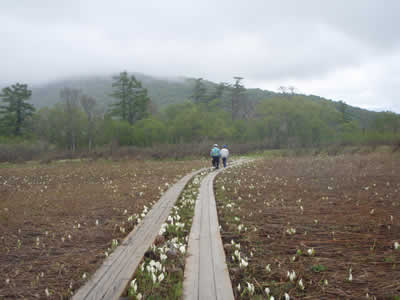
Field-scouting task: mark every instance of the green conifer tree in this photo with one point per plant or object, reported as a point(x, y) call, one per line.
point(17, 109)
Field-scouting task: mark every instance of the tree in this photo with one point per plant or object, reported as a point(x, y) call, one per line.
point(88, 103)
point(138, 101)
point(199, 91)
point(282, 89)
point(148, 132)
point(296, 122)
point(70, 98)
point(237, 98)
point(133, 101)
point(219, 91)
point(344, 110)
point(292, 89)
point(17, 111)
point(54, 125)
point(121, 92)
point(387, 122)
point(287, 90)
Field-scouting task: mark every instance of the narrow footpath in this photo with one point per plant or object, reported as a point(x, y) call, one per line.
point(111, 279)
point(206, 272)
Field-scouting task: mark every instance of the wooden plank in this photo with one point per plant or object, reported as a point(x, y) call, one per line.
point(111, 279)
point(206, 272)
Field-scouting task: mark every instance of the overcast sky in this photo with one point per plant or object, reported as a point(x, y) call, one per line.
point(343, 49)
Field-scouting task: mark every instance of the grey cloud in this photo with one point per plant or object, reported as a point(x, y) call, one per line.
point(260, 40)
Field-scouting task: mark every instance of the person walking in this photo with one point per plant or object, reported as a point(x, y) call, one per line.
point(215, 154)
point(224, 154)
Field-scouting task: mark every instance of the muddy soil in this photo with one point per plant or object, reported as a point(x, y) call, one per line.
point(57, 221)
point(322, 217)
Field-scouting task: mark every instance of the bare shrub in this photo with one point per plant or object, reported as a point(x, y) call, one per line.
point(334, 150)
point(182, 151)
point(43, 153)
point(396, 146)
point(21, 152)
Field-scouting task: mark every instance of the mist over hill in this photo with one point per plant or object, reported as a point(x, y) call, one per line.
point(166, 91)
point(161, 91)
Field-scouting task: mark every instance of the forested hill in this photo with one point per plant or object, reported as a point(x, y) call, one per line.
point(161, 91)
point(187, 110)
point(166, 91)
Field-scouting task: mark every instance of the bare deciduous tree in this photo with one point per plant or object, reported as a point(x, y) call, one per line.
point(282, 89)
point(89, 103)
point(292, 89)
point(70, 98)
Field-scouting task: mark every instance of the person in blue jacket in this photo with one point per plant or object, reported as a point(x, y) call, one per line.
point(215, 154)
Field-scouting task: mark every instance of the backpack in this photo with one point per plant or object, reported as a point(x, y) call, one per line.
point(215, 151)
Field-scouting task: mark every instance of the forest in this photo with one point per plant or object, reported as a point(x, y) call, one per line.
point(198, 111)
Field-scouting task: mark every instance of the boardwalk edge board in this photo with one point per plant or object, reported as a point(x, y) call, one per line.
point(206, 272)
point(111, 279)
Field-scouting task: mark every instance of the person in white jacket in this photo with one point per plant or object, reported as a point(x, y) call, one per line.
point(224, 154)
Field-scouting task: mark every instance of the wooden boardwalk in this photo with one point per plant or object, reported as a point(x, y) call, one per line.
point(206, 273)
point(111, 279)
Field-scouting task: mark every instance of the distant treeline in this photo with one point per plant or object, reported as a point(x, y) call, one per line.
point(214, 113)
